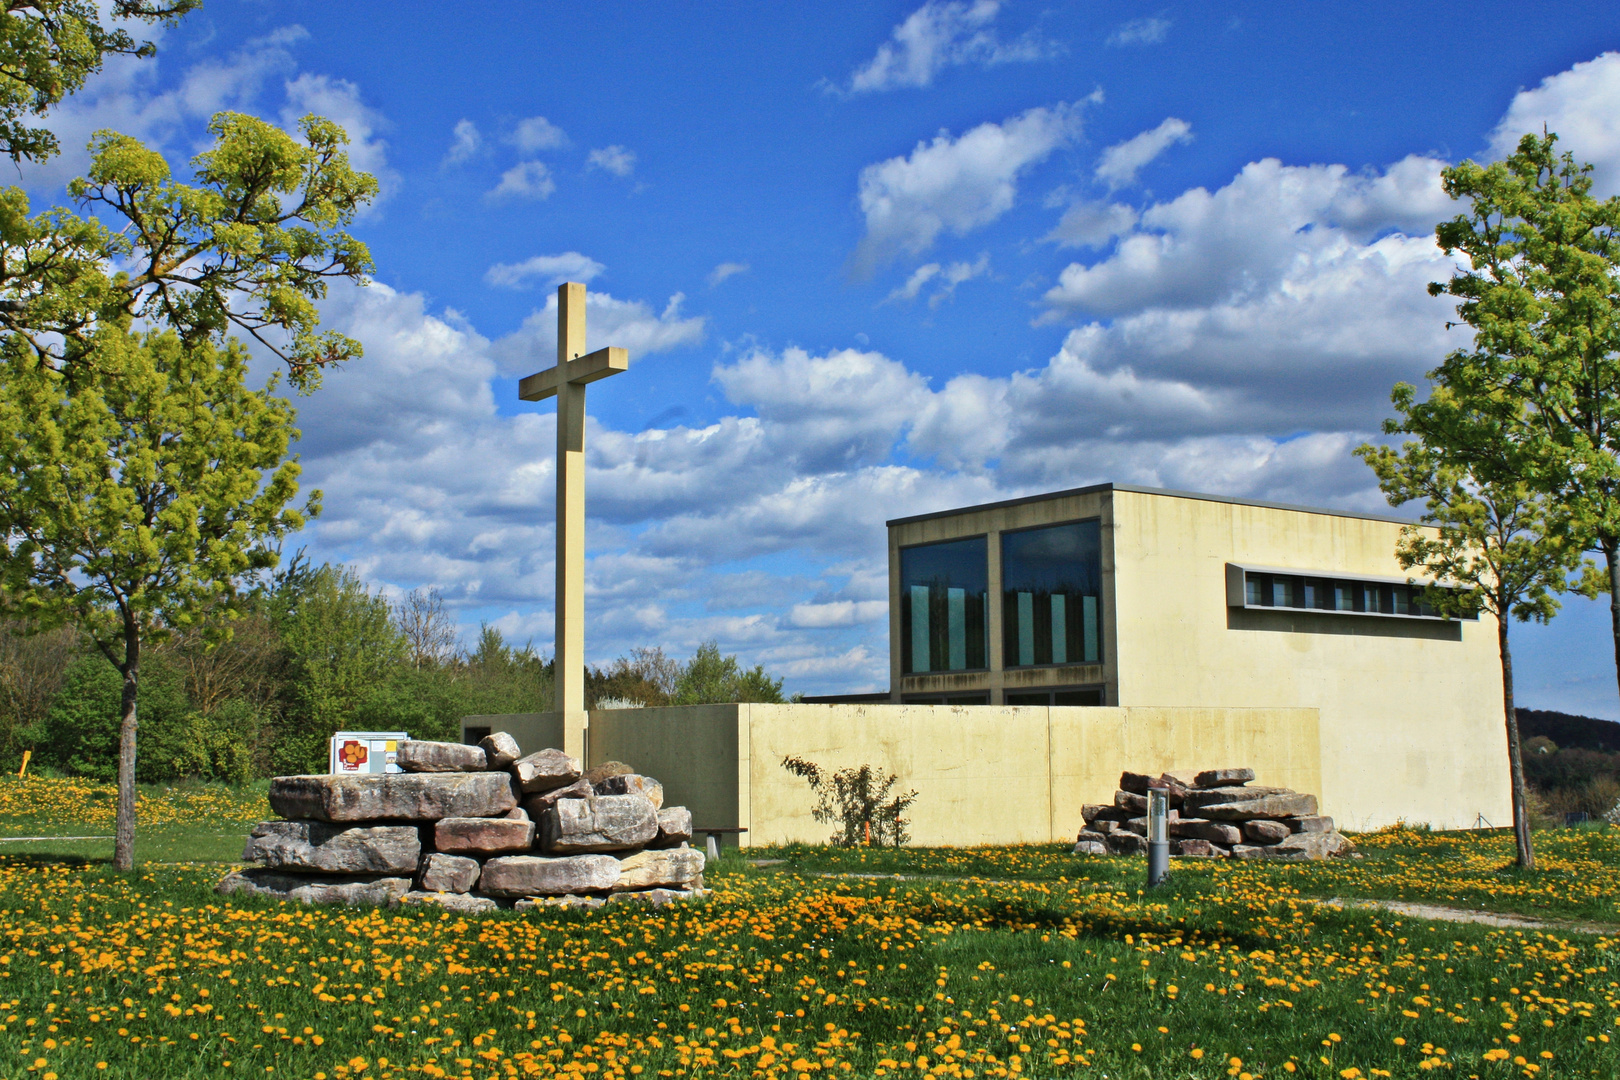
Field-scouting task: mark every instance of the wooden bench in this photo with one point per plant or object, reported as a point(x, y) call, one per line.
point(712, 848)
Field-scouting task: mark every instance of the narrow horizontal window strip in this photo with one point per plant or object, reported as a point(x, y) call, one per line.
point(1274, 589)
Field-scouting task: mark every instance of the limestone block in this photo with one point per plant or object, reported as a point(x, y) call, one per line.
point(321, 848)
point(531, 875)
point(421, 756)
point(1310, 845)
point(569, 900)
point(1197, 800)
point(448, 873)
point(1270, 806)
point(674, 827)
point(398, 796)
point(633, 784)
point(1137, 825)
point(1247, 851)
point(1210, 778)
point(1266, 832)
point(537, 805)
point(1126, 843)
point(659, 869)
point(517, 813)
point(1310, 824)
point(545, 770)
point(608, 768)
point(500, 750)
point(1093, 812)
point(1106, 826)
point(482, 836)
point(1137, 783)
point(1185, 778)
point(1130, 802)
point(315, 890)
point(460, 902)
point(1215, 832)
point(1087, 846)
point(605, 823)
point(1194, 848)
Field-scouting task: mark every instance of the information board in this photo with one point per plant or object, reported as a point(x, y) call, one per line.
point(365, 751)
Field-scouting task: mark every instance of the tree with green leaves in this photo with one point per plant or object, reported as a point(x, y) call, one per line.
point(1541, 293)
point(1488, 548)
point(136, 487)
point(710, 677)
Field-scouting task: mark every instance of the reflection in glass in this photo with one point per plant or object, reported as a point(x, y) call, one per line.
point(943, 615)
point(1051, 581)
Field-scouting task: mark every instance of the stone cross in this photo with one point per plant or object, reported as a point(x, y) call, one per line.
point(567, 382)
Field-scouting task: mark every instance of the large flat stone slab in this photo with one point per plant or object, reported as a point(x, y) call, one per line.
point(448, 873)
point(315, 890)
point(1270, 806)
point(633, 784)
point(1216, 832)
point(657, 897)
point(322, 848)
point(659, 869)
point(544, 770)
point(1197, 800)
point(458, 902)
point(392, 796)
point(533, 875)
point(1212, 778)
point(421, 756)
point(605, 823)
point(482, 836)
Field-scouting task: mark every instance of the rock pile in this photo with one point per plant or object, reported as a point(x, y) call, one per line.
point(474, 828)
point(1214, 813)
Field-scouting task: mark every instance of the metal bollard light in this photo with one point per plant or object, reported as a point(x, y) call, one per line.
point(1158, 840)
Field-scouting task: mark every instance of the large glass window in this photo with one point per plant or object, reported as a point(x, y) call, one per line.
point(1051, 581)
point(944, 620)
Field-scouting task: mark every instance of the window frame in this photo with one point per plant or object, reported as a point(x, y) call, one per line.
point(1369, 596)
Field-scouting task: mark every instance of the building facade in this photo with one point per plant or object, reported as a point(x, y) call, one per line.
point(1122, 596)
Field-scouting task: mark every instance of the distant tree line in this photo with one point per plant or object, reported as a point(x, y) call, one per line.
point(313, 651)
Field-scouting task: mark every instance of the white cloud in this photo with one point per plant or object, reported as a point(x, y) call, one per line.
point(618, 160)
point(726, 270)
point(537, 133)
point(1148, 31)
point(1582, 107)
point(339, 100)
point(947, 277)
point(954, 184)
point(465, 143)
point(838, 613)
point(548, 269)
point(1121, 162)
point(1092, 224)
point(628, 324)
point(525, 180)
point(940, 35)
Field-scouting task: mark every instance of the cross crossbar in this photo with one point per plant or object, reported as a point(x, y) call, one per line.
point(584, 369)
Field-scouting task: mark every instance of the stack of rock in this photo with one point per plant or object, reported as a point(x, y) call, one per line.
point(474, 828)
point(1214, 813)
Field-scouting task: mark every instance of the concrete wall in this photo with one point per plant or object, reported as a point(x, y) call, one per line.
point(983, 774)
point(1411, 711)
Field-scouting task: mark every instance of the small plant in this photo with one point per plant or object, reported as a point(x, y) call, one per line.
point(858, 800)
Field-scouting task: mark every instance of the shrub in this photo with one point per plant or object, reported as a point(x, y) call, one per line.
point(858, 800)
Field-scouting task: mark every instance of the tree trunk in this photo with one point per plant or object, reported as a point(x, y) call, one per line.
point(1521, 809)
point(1611, 555)
point(124, 844)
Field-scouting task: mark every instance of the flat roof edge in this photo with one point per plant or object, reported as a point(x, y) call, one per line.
point(1169, 493)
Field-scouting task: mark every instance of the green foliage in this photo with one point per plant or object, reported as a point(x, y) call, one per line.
point(80, 733)
point(858, 800)
point(47, 50)
point(711, 678)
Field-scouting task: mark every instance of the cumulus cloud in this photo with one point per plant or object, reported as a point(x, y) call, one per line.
point(1088, 223)
point(629, 324)
point(545, 269)
point(1149, 31)
point(525, 180)
point(1582, 107)
point(726, 270)
point(1121, 162)
point(940, 35)
point(838, 613)
point(536, 133)
point(945, 277)
point(465, 142)
point(339, 101)
point(954, 184)
point(618, 160)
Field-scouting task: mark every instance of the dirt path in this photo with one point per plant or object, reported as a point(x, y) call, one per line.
point(1440, 913)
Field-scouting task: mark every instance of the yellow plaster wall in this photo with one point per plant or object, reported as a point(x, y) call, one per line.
point(1410, 726)
point(698, 752)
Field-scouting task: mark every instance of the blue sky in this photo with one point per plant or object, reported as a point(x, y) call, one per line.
point(870, 260)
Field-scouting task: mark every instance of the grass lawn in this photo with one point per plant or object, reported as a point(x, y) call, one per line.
point(984, 962)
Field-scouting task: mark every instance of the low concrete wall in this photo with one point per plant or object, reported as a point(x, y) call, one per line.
point(983, 774)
